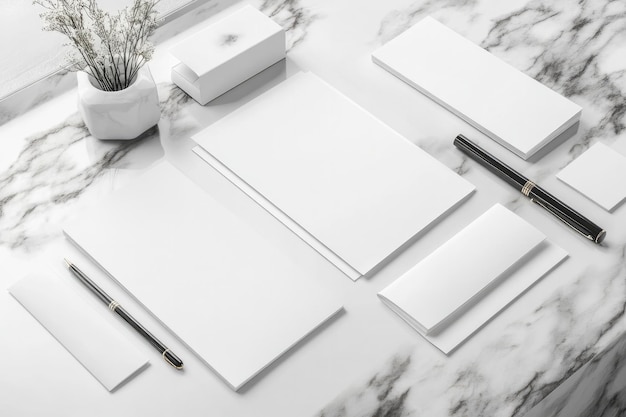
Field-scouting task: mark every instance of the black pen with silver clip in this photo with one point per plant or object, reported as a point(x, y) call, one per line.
point(167, 354)
point(537, 195)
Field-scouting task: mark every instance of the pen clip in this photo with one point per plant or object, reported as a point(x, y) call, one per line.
point(547, 207)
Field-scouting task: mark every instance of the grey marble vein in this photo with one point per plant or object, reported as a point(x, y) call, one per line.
point(597, 389)
point(45, 176)
point(573, 59)
point(292, 16)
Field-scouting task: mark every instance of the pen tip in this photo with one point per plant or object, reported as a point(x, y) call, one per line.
point(68, 263)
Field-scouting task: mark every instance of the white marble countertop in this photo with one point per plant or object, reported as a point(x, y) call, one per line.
point(367, 362)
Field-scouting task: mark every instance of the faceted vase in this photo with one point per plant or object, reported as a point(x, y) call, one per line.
point(123, 114)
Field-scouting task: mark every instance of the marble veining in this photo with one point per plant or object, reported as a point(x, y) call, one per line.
point(574, 60)
point(294, 18)
point(45, 176)
point(594, 390)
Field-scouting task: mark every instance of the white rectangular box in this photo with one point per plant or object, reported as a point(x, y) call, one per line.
point(227, 53)
point(512, 108)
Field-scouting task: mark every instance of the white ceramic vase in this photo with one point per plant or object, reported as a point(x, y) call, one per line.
point(123, 114)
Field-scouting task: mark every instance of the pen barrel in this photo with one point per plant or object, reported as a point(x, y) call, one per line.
point(567, 214)
point(84, 279)
point(490, 162)
point(562, 211)
point(168, 355)
point(139, 328)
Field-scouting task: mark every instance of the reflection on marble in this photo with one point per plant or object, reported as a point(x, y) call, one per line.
point(597, 389)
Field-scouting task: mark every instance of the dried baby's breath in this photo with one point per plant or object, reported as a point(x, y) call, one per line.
point(112, 48)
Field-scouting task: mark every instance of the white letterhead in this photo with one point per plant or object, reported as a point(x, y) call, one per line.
point(229, 294)
point(342, 180)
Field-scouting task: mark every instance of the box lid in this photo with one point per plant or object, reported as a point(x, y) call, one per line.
point(225, 39)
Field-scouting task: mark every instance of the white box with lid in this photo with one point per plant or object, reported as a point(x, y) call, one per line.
point(227, 53)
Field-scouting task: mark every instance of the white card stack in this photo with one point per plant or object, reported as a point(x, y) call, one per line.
point(515, 110)
point(599, 174)
point(342, 180)
point(456, 289)
point(230, 295)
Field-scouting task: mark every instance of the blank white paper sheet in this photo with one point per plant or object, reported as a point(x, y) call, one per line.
point(457, 288)
point(72, 319)
point(345, 182)
point(512, 108)
point(599, 174)
point(230, 295)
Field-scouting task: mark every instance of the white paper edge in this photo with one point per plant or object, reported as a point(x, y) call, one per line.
point(323, 250)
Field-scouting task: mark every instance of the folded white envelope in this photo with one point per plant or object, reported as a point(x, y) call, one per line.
point(72, 319)
point(457, 288)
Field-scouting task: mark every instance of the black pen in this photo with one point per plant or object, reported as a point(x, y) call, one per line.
point(531, 190)
point(167, 354)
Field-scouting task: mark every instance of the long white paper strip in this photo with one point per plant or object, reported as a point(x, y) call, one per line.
point(506, 104)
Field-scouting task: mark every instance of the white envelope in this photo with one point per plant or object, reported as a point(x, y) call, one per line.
point(341, 179)
point(457, 288)
point(75, 323)
point(512, 108)
point(599, 174)
point(230, 295)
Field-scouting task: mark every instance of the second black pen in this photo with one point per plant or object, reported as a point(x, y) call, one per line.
point(537, 195)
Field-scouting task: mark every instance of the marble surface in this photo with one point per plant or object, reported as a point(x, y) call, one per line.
point(596, 389)
point(367, 362)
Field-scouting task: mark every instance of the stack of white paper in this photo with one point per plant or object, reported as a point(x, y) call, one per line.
point(224, 290)
point(461, 285)
point(512, 108)
point(346, 183)
point(599, 174)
